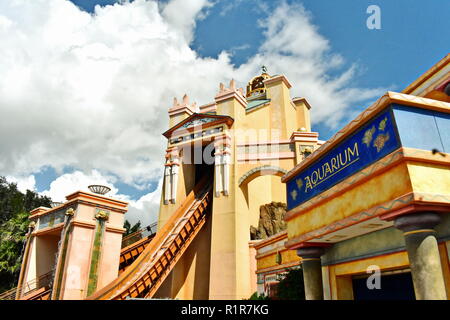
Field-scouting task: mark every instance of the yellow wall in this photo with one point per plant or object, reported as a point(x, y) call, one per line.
point(429, 178)
point(269, 261)
point(274, 190)
point(232, 215)
point(340, 274)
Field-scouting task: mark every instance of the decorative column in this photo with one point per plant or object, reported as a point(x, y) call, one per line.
point(174, 174)
point(222, 161)
point(312, 271)
point(25, 258)
point(218, 188)
point(63, 245)
point(226, 161)
point(102, 217)
point(171, 169)
point(423, 254)
point(167, 181)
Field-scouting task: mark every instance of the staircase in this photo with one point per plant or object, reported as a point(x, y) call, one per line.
point(32, 290)
point(145, 275)
point(130, 253)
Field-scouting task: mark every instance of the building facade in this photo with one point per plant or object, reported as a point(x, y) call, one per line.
point(72, 249)
point(375, 200)
point(371, 201)
point(243, 142)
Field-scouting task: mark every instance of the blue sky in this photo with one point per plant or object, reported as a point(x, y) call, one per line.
point(412, 38)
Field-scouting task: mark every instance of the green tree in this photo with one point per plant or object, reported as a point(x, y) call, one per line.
point(292, 286)
point(256, 296)
point(12, 201)
point(131, 229)
point(14, 212)
point(12, 239)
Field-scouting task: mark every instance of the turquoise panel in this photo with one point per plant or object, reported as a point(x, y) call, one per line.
point(443, 124)
point(422, 129)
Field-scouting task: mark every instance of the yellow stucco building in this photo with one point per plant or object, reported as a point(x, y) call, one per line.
point(244, 143)
point(375, 200)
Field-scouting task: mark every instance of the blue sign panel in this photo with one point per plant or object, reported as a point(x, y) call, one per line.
point(370, 143)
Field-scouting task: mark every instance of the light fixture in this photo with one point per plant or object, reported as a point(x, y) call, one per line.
point(99, 189)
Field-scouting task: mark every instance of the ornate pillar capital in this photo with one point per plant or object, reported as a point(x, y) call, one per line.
point(31, 227)
point(70, 212)
point(310, 252)
point(417, 221)
point(102, 215)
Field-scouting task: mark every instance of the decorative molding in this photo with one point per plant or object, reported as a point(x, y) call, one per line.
point(261, 171)
point(297, 100)
point(298, 136)
point(210, 107)
point(213, 120)
point(375, 211)
point(276, 79)
point(197, 122)
point(392, 159)
point(178, 108)
point(115, 230)
point(271, 240)
point(83, 224)
point(428, 74)
point(265, 156)
point(41, 232)
point(231, 92)
point(279, 267)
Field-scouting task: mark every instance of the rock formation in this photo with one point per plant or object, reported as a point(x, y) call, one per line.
point(271, 221)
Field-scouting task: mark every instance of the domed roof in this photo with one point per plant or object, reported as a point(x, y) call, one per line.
point(256, 86)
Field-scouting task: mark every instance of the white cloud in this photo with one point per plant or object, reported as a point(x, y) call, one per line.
point(145, 209)
point(294, 47)
point(77, 181)
point(92, 91)
point(23, 183)
point(182, 15)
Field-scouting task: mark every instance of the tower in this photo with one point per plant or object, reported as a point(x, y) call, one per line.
point(243, 143)
point(73, 249)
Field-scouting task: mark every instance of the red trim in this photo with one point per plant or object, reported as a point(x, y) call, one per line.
point(411, 209)
point(309, 244)
point(443, 85)
point(220, 119)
